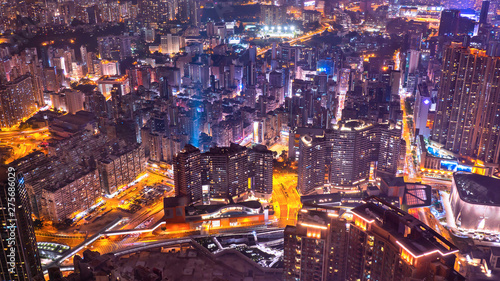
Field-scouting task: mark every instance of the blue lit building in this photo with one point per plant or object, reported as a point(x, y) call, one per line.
point(325, 66)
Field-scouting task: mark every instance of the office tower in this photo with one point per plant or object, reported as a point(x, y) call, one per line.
point(387, 244)
point(17, 101)
point(448, 26)
point(311, 166)
point(272, 15)
point(483, 17)
point(261, 170)
point(20, 260)
point(467, 119)
point(187, 172)
point(316, 248)
point(389, 149)
point(351, 152)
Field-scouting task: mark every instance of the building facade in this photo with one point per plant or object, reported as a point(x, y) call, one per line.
point(20, 259)
point(467, 116)
point(311, 166)
point(69, 198)
point(17, 101)
point(187, 173)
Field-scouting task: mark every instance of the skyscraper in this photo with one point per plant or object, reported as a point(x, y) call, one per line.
point(467, 116)
point(187, 172)
point(261, 170)
point(483, 17)
point(380, 242)
point(225, 170)
point(448, 26)
point(390, 145)
point(20, 259)
point(387, 244)
point(315, 249)
point(311, 166)
point(352, 152)
point(272, 15)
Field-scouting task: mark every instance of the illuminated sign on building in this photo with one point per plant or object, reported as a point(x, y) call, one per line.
point(455, 166)
point(309, 3)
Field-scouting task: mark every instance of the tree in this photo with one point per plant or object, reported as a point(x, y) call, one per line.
point(38, 224)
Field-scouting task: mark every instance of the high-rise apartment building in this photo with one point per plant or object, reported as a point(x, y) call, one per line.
point(315, 249)
point(311, 167)
point(17, 101)
point(272, 15)
point(187, 172)
point(74, 100)
point(121, 168)
point(352, 151)
point(468, 103)
point(347, 153)
point(389, 148)
point(225, 170)
point(20, 259)
point(67, 198)
point(386, 243)
point(261, 170)
point(380, 242)
point(115, 47)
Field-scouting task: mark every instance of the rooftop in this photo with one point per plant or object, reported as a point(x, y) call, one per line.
point(420, 241)
point(477, 189)
point(80, 118)
point(208, 209)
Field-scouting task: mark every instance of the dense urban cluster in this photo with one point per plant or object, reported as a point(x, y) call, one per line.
point(250, 140)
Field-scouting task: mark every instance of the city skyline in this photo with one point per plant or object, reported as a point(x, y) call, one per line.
point(250, 140)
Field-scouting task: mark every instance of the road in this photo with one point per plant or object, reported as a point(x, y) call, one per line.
point(285, 198)
point(22, 132)
point(23, 142)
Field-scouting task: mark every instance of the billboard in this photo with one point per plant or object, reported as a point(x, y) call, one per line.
point(455, 166)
